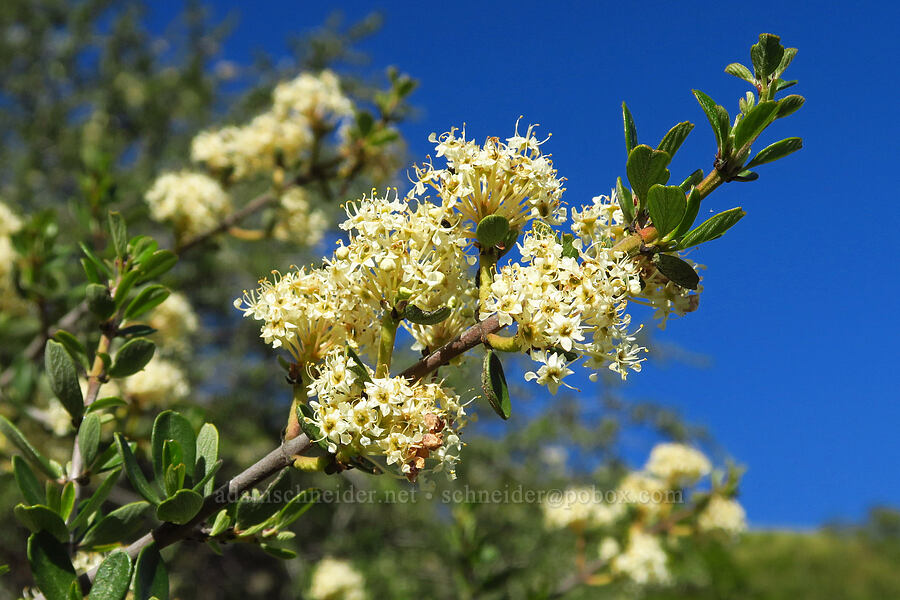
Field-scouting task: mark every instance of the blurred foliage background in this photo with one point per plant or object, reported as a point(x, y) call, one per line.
point(93, 106)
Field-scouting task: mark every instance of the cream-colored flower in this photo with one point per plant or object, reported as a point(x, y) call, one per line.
point(296, 221)
point(335, 579)
point(175, 321)
point(644, 561)
point(580, 508)
point(413, 425)
point(161, 383)
point(723, 514)
point(194, 203)
point(316, 97)
point(678, 464)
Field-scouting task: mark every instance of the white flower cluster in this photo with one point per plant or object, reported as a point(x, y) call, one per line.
point(160, 384)
point(175, 322)
point(644, 560)
point(602, 224)
point(643, 507)
point(395, 253)
point(407, 423)
point(11, 304)
point(315, 97)
point(297, 221)
point(514, 180)
point(335, 579)
point(280, 136)
point(193, 202)
point(579, 508)
point(677, 464)
point(723, 514)
point(565, 303)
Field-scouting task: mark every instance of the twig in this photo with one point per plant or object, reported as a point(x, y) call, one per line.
point(467, 340)
point(234, 218)
point(169, 533)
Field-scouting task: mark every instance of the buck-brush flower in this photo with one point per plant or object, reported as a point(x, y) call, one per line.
point(296, 220)
point(193, 202)
point(414, 426)
point(723, 514)
point(677, 464)
point(512, 179)
point(644, 561)
point(161, 383)
point(335, 579)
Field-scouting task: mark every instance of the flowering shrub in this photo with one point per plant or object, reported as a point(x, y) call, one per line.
point(480, 252)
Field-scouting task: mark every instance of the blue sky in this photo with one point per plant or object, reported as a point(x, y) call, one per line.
point(796, 313)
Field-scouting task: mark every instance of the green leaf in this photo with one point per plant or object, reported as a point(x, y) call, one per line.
point(27, 481)
point(113, 577)
point(254, 509)
point(714, 116)
point(90, 271)
point(118, 526)
point(631, 140)
point(99, 264)
point(667, 206)
point(294, 509)
point(170, 425)
point(786, 59)
point(39, 518)
point(308, 425)
point(766, 55)
point(789, 105)
point(151, 579)
point(12, 433)
point(646, 167)
point(781, 84)
point(124, 286)
point(493, 384)
point(64, 378)
point(677, 270)
point(89, 438)
point(150, 297)
point(157, 264)
point(75, 591)
point(95, 501)
point(414, 314)
point(672, 141)
point(626, 200)
point(75, 348)
point(173, 475)
point(692, 209)
point(67, 500)
point(712, 228)
point(118, 233)
point(741, 72)
point(753, 123)
point(358, 367)
point(221, 523)
point(135, 331)
point(207, 454)
point(206, 481)
point(278, 552)
point(180, 508)
point(99, 301)
point(776, 151)
point(104, 403)
point(133, 471)
point(50, 564)
point(745, 175)
point(132, 357)
point(692, 180)
point(492, 230)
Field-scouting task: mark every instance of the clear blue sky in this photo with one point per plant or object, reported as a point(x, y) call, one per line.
point(796, 313)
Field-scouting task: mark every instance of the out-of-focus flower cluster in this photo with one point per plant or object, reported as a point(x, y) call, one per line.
point(335, 579)
point(638, 520)
point(281, 136)
point(10, 302)
point(192, 202)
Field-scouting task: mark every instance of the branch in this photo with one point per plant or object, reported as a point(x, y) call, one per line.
point(169, 533)
point(465, 341)
point(234, 218)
